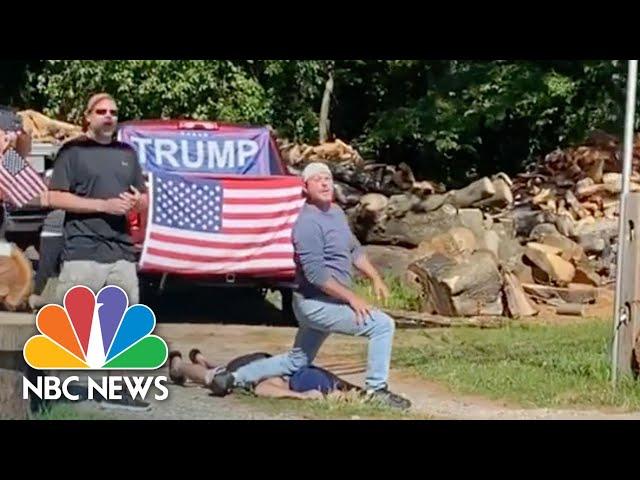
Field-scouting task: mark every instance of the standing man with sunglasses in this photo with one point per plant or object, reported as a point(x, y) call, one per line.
point(97, 181)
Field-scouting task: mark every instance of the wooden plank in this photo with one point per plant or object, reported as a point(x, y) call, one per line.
point(408, 319)
point(578, 293)
point(15, 330)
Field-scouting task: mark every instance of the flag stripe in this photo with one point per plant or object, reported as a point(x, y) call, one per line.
point(229, 239)
point(14, 192)
point(277, 207)
point(257, 230)
point(258, 216)
point(241, 193)
point(281, 247)
point(228, 243)
point(283, 221)
point(256, 200)
point(193, 257)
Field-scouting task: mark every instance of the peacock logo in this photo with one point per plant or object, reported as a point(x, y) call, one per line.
point(96, 332)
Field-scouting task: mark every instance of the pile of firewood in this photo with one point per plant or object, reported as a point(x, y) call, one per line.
point(581, 184)
point(337, 151)
point(47, 130)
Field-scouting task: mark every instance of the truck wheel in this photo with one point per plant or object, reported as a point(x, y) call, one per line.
point(288, 316)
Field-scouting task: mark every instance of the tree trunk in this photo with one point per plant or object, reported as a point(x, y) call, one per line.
point(324, 108)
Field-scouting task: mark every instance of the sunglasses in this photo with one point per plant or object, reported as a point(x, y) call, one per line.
point(103, 111)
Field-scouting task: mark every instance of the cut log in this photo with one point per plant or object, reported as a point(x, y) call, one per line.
point(408, 230)
point(432, 202)
point(543, 229)
point(510, 254)
point(571, 309)
point(467, 288)
point(570, 250)
point(472, 219)
point(455, 243)
point(472, 193)
point(558, 270)
point(374, 202)
point(346, 195)
point(490, 241)
point(595, 171)
point(517, 302)
point(524, 273)
point(389, 260)
point(501, 199)
point(582, 294)
point(584, 183)
point(613, 183)
point(399, 205)
point(591, 243)
point(575, 205)
point(565, 225)
point(551, 250)
point(587, 275)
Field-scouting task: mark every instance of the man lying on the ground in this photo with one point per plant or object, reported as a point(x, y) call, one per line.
point(307, 383)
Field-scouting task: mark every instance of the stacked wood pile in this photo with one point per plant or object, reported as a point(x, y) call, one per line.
point(496, 246)
point(43, 129)
point(577, 190)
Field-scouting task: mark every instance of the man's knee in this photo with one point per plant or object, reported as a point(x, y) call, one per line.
point(383, 323)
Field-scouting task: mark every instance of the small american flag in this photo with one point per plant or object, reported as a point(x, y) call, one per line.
point(18, 181)
point(200, 225)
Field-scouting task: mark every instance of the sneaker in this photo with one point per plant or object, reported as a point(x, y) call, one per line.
point(221, 383)
point(389, 399)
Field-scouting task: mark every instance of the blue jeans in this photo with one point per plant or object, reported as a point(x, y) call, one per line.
point(317, 319)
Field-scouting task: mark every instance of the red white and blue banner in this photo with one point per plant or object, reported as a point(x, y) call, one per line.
point(245, 151)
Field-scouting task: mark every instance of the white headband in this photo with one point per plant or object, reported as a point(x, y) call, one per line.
point(314, 169)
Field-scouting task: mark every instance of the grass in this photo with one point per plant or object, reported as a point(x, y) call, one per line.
point(349, 407)
point(67, 411)
point(401, 297)
point(533, 365)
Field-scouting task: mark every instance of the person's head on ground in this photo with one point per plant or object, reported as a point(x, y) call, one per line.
point(318, 184)
point(101, 117)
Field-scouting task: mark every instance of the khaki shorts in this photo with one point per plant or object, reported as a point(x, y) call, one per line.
point(96, 275)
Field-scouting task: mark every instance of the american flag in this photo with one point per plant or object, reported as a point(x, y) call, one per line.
point(18, 181)
point(200, 225)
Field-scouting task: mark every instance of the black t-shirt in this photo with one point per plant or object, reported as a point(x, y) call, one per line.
point(90, 169)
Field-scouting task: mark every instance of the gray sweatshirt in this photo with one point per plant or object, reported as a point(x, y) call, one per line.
point(324, 247)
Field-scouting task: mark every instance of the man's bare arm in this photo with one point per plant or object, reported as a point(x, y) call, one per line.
point(73, 203)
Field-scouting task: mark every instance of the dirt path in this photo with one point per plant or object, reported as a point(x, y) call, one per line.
point(222, 342)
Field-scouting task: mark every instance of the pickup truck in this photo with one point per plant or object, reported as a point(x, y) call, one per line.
point(177, 146)
point(205, 147)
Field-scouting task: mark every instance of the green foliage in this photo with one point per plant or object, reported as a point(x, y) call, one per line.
point(401, 297)
point(451, 120)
